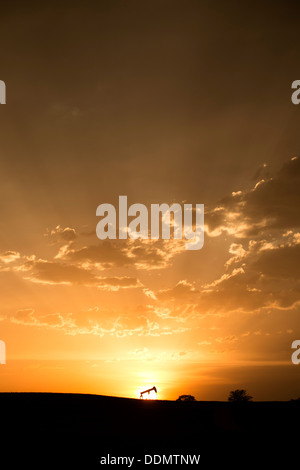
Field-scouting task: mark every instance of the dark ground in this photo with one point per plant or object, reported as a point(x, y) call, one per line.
point(70, 431)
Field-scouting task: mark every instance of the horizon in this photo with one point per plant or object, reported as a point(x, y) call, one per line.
point(148, 400)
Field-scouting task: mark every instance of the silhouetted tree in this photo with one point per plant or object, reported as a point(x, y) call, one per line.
point(186, 398)
point(239, 395)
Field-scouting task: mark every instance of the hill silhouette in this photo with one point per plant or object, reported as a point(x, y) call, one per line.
point(75, 429)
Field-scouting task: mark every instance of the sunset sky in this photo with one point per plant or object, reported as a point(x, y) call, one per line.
point(162, 101)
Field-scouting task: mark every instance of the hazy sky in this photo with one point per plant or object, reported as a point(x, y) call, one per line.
point(163, 101)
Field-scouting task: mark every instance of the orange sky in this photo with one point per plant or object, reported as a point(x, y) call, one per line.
point(168, 102)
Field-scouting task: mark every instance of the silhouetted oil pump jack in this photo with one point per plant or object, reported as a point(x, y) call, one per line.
point(148, 391)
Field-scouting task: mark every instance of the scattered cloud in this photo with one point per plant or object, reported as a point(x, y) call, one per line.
point(99, 322)
point(60, 234)
point(261, 232)
point(272, 204)
point(9, 257)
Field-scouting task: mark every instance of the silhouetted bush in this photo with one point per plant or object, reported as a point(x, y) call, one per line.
point(186, 398)
point(239, 396)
